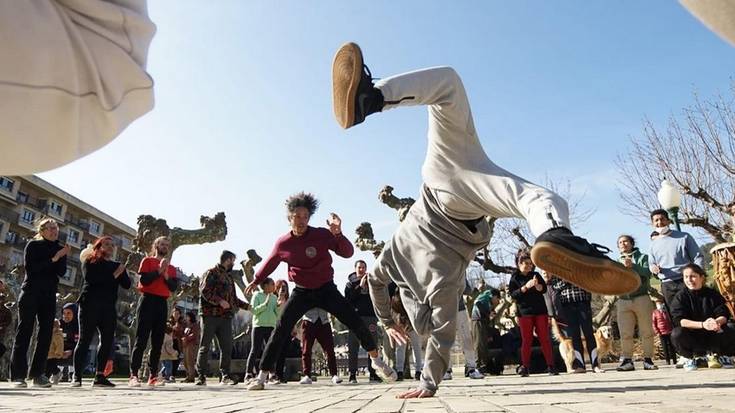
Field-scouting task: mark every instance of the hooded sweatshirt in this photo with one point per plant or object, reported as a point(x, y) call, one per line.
point(358, 296)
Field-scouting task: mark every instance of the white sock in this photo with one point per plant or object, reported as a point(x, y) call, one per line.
point(262, 377)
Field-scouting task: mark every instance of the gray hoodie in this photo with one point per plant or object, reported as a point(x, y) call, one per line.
point(427, 258)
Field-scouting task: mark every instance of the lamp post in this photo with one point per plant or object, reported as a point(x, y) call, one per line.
point(670, 200)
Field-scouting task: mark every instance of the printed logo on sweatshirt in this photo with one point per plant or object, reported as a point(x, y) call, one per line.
point(311, 252)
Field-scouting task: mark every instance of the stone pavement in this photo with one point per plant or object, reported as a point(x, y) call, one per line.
point(666, 390)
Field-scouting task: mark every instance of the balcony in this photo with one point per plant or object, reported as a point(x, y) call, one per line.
point(33, 202)
point(76, 221)
point(7, 214)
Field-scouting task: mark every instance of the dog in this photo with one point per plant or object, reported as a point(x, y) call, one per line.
point(603, 339)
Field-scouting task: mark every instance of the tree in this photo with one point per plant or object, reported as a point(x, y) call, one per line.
point(696, 152)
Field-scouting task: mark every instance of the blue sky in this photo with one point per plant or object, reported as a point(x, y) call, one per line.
point(243, 114)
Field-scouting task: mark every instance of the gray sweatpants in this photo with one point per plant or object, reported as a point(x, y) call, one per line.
point(72, 78)
point(429, 252)
point(220, 327)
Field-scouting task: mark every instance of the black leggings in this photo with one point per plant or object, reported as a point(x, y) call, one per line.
point(33, 305)
point(579, 320)
point(326, 297)
point(152, 317)
point(94, 318)
point(258, 341)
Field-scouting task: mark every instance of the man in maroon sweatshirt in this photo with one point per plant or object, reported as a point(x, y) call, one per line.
point(306, 251)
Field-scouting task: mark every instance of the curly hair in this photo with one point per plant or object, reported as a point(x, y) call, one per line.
point(302, 199)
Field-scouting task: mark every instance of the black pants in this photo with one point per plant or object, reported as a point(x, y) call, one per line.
point(669, 290)
point(257, 343)
point(691, 343)
point(152, 316)
point(326, 297)
point(486, 338)
point(668, 347)
point(32, 306)
point(353, 345)
point(579, 320)
point(94, 318)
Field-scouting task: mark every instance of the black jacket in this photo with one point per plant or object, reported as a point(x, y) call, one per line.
point(100, 285)
point(71, 333)
point(41, 273)
point(532, 301)
point(358, 297)
point(697, 305)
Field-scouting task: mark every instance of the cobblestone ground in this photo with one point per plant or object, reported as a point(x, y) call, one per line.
point(666, 390)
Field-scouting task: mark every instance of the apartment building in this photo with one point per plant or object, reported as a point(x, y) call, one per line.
point(26, 199)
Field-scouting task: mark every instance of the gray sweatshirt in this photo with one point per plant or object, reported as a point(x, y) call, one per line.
point(673, 251)
point(427, 258)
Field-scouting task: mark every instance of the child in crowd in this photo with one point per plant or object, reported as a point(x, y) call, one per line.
point(662, 327)
point(264, 307)
point(168, 355)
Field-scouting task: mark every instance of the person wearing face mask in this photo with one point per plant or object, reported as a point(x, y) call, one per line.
point(670, 252)
point(634, 309)
point(218, 303)
point(662, 326)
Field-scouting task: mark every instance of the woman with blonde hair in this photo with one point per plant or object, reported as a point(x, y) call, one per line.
point(45, 262)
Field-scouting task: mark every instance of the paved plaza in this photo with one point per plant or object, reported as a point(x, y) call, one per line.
point(667, 390)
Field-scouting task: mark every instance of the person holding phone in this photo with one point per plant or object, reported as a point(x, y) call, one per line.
point(45, 263)
point(527, 288)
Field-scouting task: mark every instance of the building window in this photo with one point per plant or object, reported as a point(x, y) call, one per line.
point(126, 242)
point(55, 208)
point(6, 183)
point(73, 237)
point(69, 277)
point(95, 228)
point(11, 237)
point(22, 197)
point(28, 216)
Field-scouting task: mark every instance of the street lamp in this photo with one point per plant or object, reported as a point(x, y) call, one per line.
point(670, 200)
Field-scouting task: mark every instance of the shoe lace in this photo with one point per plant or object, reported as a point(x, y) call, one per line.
point(366, 72)
point(601, 249)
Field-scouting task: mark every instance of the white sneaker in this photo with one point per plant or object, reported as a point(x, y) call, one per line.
point(305, 380)
point(336, 379)
point(475, 374)
point(20, 384)
point(384, 371)
point(55, 378)
point(256, 385)
point(134, 381)
point(447, 376)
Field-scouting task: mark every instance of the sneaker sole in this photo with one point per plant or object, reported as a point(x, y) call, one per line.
point(596, 275)
point(346, 74)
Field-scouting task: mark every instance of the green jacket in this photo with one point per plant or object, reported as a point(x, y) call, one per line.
point(640, 266)
point(265, 309)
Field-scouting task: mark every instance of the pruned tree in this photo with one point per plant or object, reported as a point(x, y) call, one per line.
point(696, 152)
